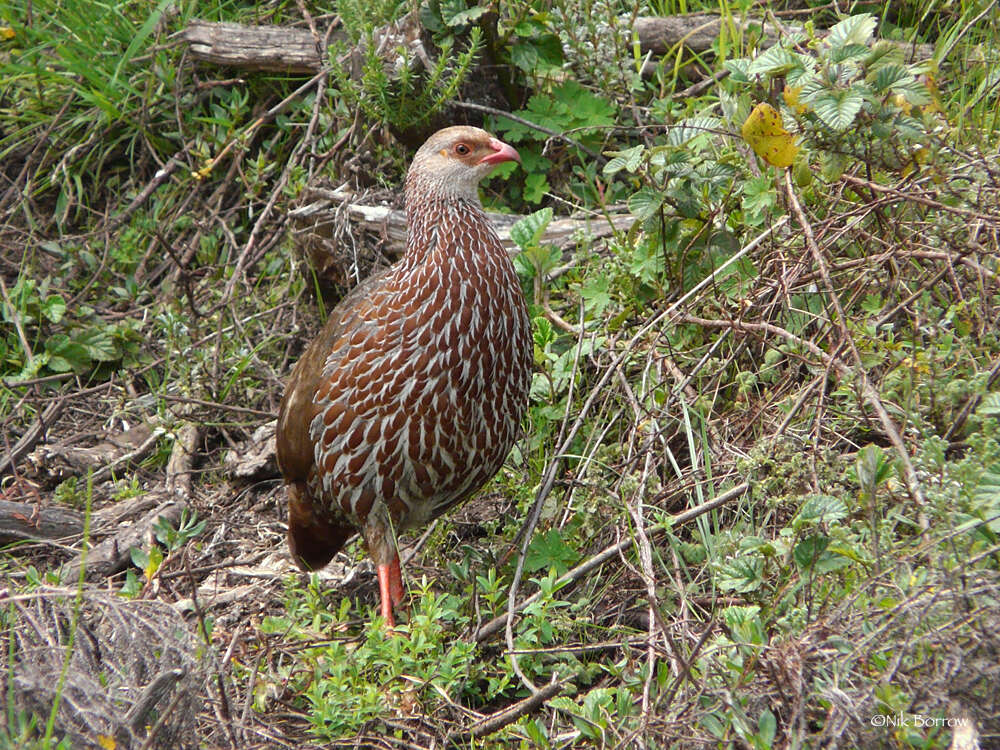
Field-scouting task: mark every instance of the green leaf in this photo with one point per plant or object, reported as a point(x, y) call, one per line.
point(759, 199)
point(455, 13)
point(872, 468)
point(853, 30)
point(596, 295)
point(549, 51)
point(99, 344)
point(528, 231)
point(767, 727)
point(888, 76)
point(775, 61)
point(692, 127)
point(536, 185)
point(989, 406)
point(988, 486)
point(548, 551)
point(629, 160)
point(65, 354)
point(848, 52)
point(524, 55)
point(820, 509)
point(53, 308)
point(645, 203)
point(744, 624)
point(837, 109)
point(738, 68)
point(809, 550)
point(742, 574)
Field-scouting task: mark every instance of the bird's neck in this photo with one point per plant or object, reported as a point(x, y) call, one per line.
point(444, 226)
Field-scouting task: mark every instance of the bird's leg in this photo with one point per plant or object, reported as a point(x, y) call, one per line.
point(381, 540)
point(390, 588)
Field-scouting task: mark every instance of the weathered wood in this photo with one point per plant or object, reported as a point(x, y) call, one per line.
point(696, 32)
point(268, 48)
point(390, 224)
point(58, 461)
point(25, 522)
point(292, 50)
point(113, 555)
point(29, 522)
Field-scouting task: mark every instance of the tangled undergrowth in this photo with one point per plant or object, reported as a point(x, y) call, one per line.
point(757, 499)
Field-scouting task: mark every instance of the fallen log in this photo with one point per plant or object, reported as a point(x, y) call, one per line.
point(28, 522)
point(325, 212)
point(275, 49)
point(293, 50)
point(114, 554)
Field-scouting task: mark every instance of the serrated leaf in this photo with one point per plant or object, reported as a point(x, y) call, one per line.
point(549, 49)
point(528, 231)
point(768, 138)
point(456, 13)
point(548, 551)
point(813, 554)
point(53, 308)
point(65, 354)
point(629, 160)
point(808, 551)
point(821, 509)
point(888, 76)
point(737, 68)
point(913, 90)
point(852, 30)
point(883, 52)
point(692, 127)
point(742, 575)
point(596, 295)
point(524, 55)
point(848, 52)
point(837, 109)
point(988, 486)
point(645, 203)
point(99, 344)
point(775, 61)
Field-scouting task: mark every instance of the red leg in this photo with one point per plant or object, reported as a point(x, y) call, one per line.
point(390, 588)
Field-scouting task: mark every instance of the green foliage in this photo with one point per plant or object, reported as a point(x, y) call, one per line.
point(149, 560)
point(424, 665)
point(567, 107)
point(400, 95)
point(56, 342)
point(850, 82)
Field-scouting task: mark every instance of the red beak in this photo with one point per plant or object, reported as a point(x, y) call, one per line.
point(502, 153)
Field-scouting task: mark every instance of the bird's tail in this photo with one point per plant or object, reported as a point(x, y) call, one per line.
point(314, 534)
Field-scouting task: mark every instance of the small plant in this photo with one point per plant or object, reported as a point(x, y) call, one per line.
point(399, 95)
point(847, 82)
point(150, 560)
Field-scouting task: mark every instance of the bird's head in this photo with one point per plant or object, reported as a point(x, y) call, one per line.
point(453, 161)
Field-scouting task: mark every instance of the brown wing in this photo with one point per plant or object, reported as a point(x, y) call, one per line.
point(315, 531)
point(294, 446)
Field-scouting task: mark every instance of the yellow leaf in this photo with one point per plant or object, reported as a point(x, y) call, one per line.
point(108, 743)
point(6, 33)
point(768, 138)
point(791, 96)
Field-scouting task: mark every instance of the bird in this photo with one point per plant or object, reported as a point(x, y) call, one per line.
point(414, 392)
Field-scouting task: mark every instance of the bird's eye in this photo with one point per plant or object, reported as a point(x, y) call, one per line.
point(462, 150)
